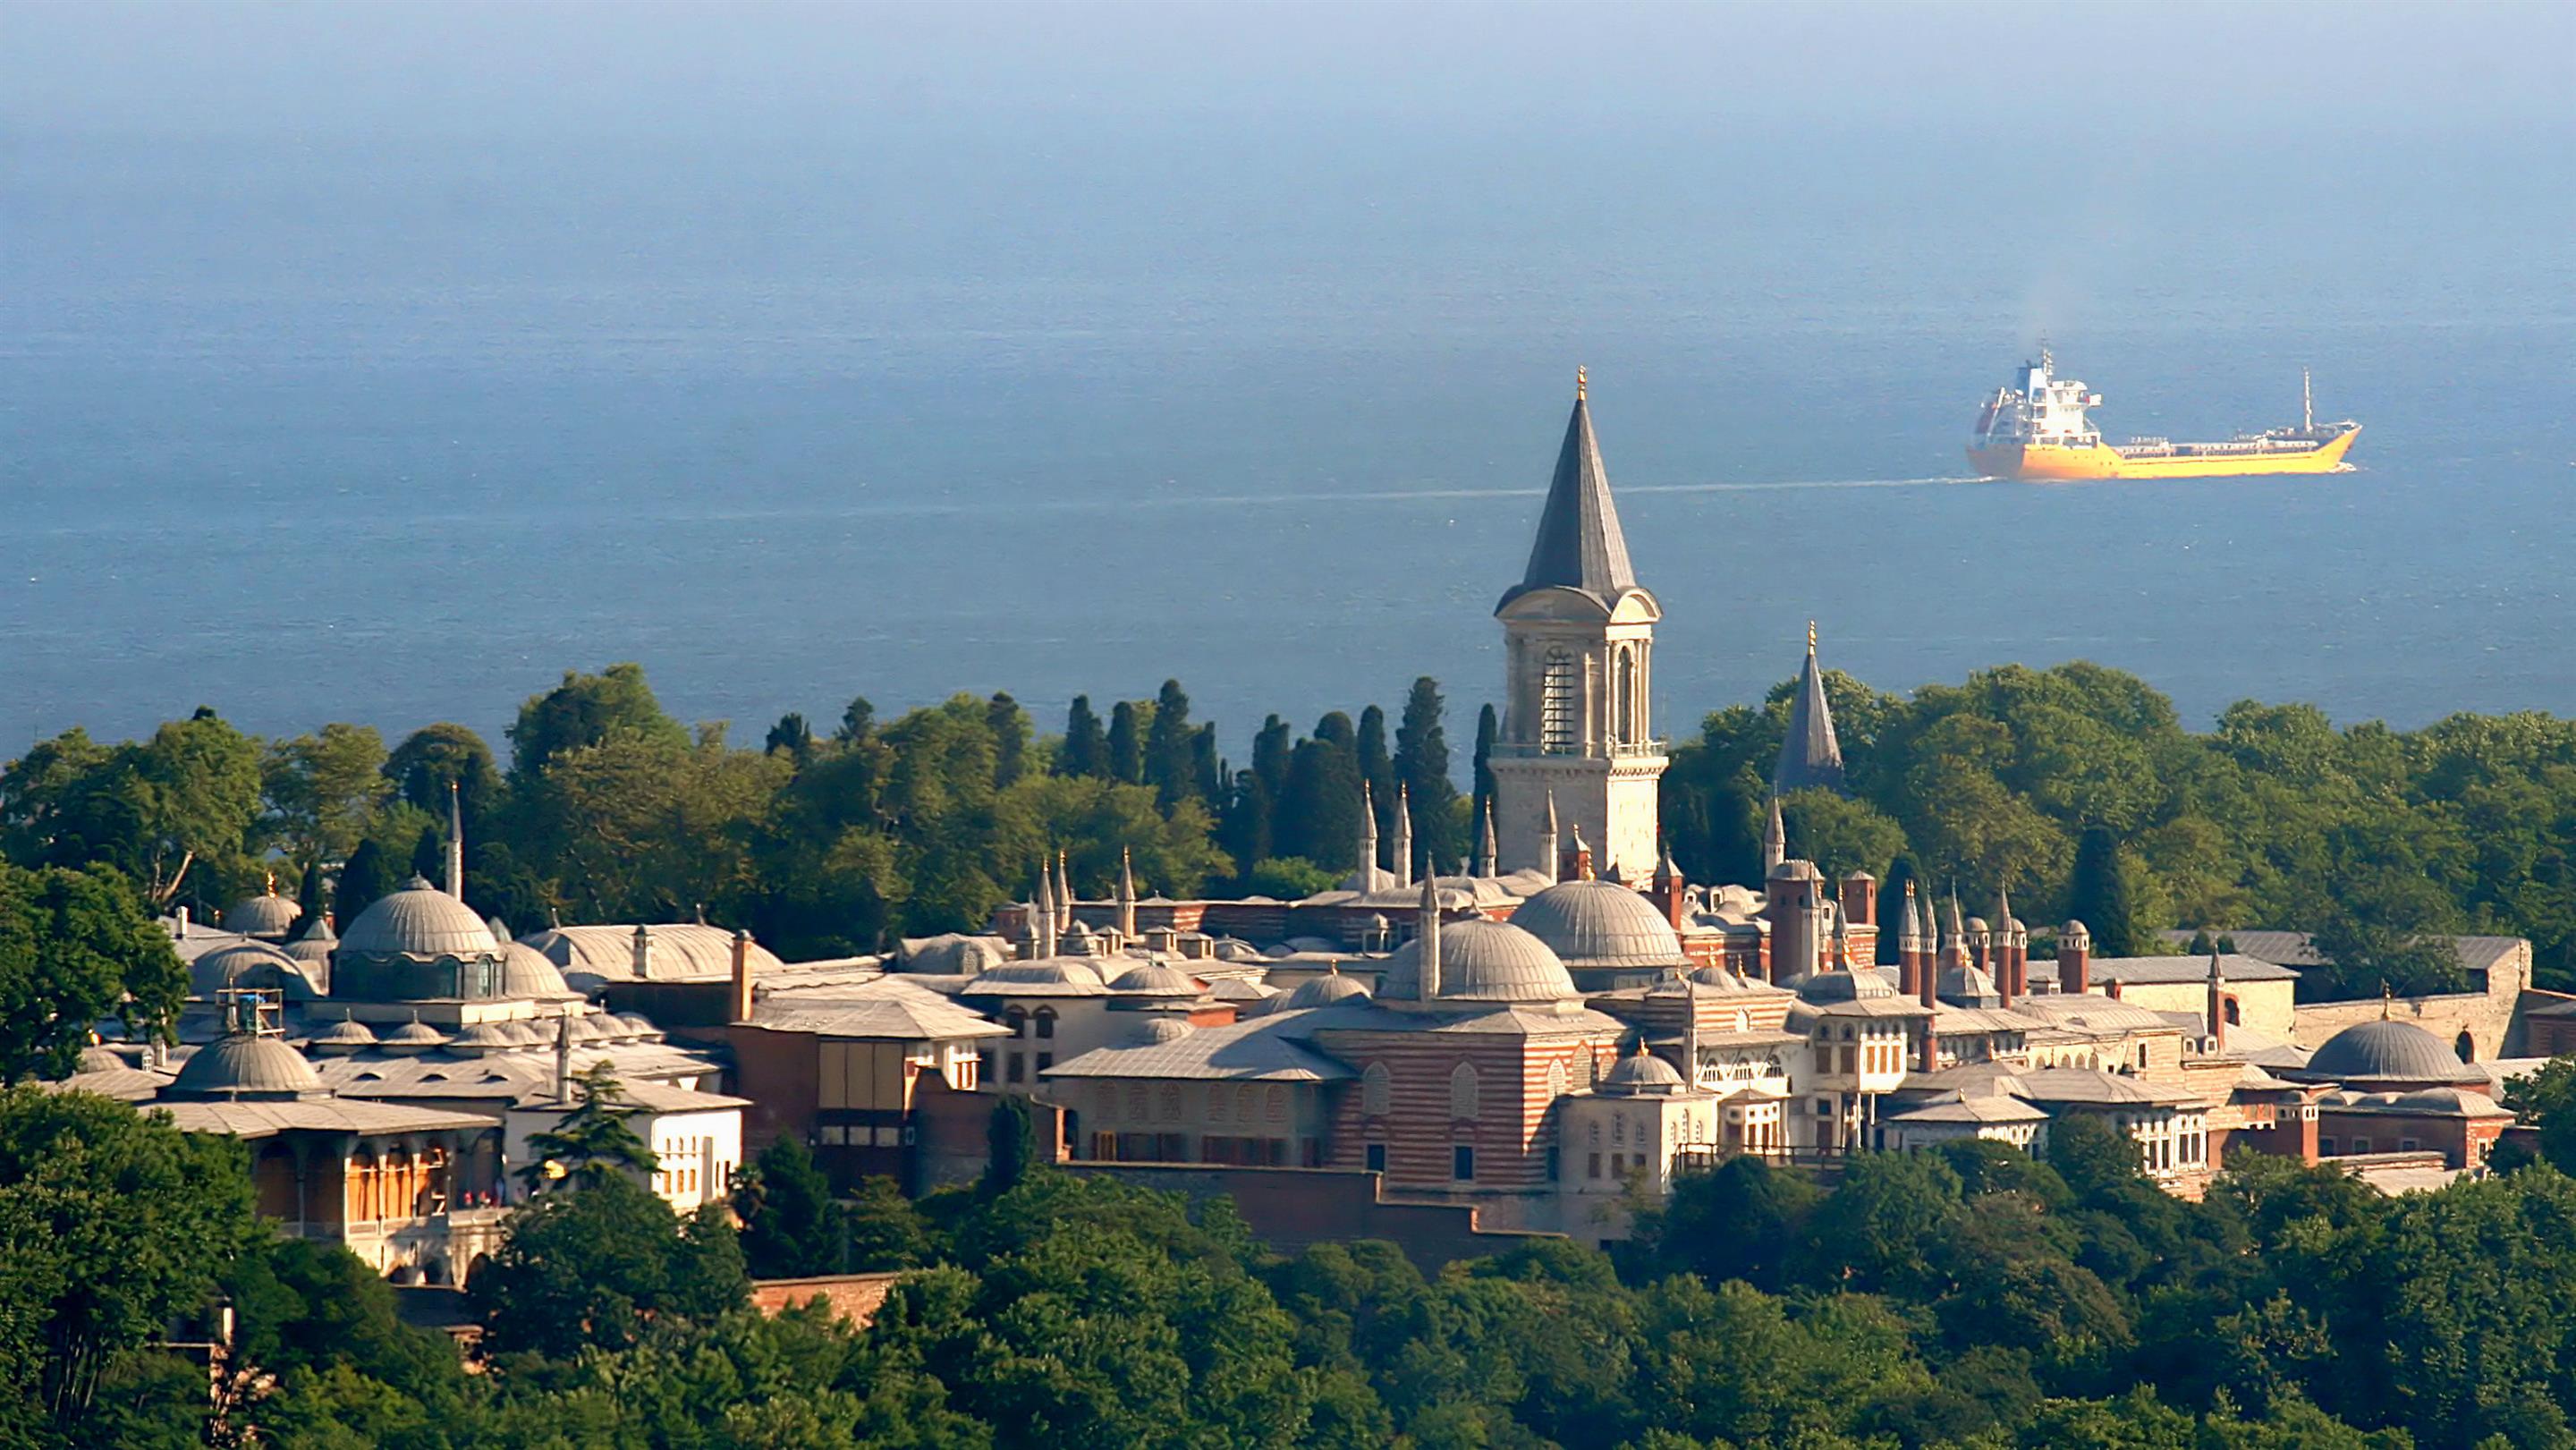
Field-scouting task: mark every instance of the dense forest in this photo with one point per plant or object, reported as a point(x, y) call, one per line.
point(1975, 1298)
point(2076, 788)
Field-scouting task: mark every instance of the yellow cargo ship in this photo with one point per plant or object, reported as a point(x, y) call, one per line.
point(2039, 431)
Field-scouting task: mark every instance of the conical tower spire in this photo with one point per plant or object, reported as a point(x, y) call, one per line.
point(1063, 893)
point(1488, 850)
point(1579, 544)
point(1368, 837)
point(1126, 896)
point(1810, 757)
point(1775, 841)
point(455, 844)
point(1404, 837)
point(1548, 858)
point(1428, 932)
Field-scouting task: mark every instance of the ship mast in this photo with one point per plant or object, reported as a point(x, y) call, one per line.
point(2307, 403)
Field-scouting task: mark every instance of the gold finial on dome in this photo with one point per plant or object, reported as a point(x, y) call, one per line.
point(1578, 382)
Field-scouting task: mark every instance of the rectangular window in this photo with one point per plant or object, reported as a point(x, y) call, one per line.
point(1045, 1060)
point(2406, 1145)
point(1462, 1163)
point(1593, 1168)
point(1551, 1165)
point(2361, 1145)
point(983, 1065)
point(2325, 1145)
point(1618, 1165)
point(1376, 1157)
point(1016, 1068)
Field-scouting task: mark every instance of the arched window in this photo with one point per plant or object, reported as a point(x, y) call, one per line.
point(1046, 1022)
point(1462, 1092)
point(1560, 705)
point(1216, 1104)
point(1624, 697)
point(1243, 1107)
point(2235, 1015)
point(1555, 1081)
point(1377, 1091)
point(2467, 1047)
point(1017, 1021)
point(1135, 1102)
point(1274, 1104)
point(1167, 1103)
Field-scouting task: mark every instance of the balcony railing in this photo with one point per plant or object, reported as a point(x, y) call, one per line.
point(1597, 750)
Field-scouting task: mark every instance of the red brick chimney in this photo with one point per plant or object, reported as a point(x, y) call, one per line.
point(741, 1003)
point(2074, 958)
point(1859, 896)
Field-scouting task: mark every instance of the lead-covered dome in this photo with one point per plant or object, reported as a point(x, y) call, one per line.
point(2389, 1054)
point(527, 972)
point(245, 1066)
point(1153, 979)
point(1840, 986)
point(419, 921)
point(1641, 1074)
point(1599, 924)
point(1321, 991)
point(249, 964)
point(267, 915)
point(1480, 961)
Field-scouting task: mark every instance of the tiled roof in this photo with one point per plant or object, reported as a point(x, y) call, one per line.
point(325, 1115)
point(1253, 1051)
point(2298, 948)
point(1579, 544)
point(2240, 966)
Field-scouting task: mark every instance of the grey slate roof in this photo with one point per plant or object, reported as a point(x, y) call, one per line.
point(1253, 1051)
point(1810, 757)
point(2163, 971)
point(323, 1115)
point(2298, 949)
point(1579, 545)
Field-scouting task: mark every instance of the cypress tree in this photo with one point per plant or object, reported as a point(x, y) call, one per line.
point(1010, 725)
point(792, 1228)
point(1335, 729)
point(428, 855)
point(2100, 894)
point(858, 721)
point(791, 736)
point(1207, 768)
point(367, 877)
point(1169, 765)
point(1422, 765)
point(1245, 831)
point(1319, 819)
point(1010, 1146)
point(1379, 772)
point(1086, 749)
point(1127, 742)
point(1270, 756)
point(1488, 728)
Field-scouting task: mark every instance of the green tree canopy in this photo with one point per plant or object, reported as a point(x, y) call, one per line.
point(78, 948)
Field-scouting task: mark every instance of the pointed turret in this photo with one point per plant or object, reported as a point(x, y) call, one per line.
point(1775, 841)
point(1368, 838)
point(2218, 1001)
point(1404, 836)
point(1810, 757)
point(1126, 896)
point(1547, 855)
point(1042, 913)
point(1488, 850)
point(1579, 544)
point(1063, 895)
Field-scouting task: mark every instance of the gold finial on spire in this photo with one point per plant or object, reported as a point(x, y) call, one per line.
point(1578, 382)
point(2386, 999)
point(1811, 636)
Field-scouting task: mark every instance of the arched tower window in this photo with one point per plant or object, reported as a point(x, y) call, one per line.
point(2467, 1047)
point(1462, 1092)
point(1555, 1081)
point(1560, 704)
point(1377, 1091)
point(1624, 698)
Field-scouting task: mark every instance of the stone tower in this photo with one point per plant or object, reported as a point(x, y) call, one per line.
point(1578, 671)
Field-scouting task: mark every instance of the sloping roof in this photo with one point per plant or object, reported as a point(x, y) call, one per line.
point(322, 1115)
point(902, 1019)
point(1251, 1051)
point(653, 1097)
point(681, 951)
point(523, 1076)
point(2299, 949)
point(1979, 1108)
point(2092, 1086)
point(1810, 757)
point(1579, 544)
point(2240, 966)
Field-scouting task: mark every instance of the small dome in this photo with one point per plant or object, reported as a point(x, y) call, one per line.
point(1159, 1028)
point(1722, 978)
point(1639, 1074)
point(419, 921)
point(1841, 986)
point(1480, 961)
point(346, 1035)
point(99, 1059)
point(1051, 972)
point(2386, 1053)
point(1794, 870)
point(597, 1027)
point(1599, 924)
point(482, 1037)
point(639, 1026)
point(526, 1034)
point(244, 1066)
point(2448, 1100)
point(2074, 931)
point(1327, 989)
point(1968, 986)
point(267, 915)
point(1153, 979)
point(527, 972)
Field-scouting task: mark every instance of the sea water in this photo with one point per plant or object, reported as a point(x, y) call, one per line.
point(395, 429)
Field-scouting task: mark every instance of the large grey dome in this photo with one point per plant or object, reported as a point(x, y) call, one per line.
point(1153, 979)
point(1599, 924)
point(419, 921)
point(243, 1066)
point(2386, 1054)
point(1480, 961)
point(527, 972)
point(267, 915)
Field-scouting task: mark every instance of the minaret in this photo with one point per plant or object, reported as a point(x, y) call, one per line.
point(2000, 956)
point(1486, 853)
point(1668, 889)
point(1368, 838)
point(1404, 838)
point(1063, 894)
point(1428, 934)
point(1909, 945)
point(455, 843)
point(1775, 841)
point(1126, 897)
point(1578, 661)
point(1810, 757)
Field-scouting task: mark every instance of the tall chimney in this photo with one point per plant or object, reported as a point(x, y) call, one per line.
point(1668, 889)
point(2217, 1001)
point(643, 952)
point(563, 1056)
point(1859, 896)
point(2074, 958)
point(1429, 935)
point(741, 976)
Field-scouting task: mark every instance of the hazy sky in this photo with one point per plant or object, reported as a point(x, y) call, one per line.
point(575, 69)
